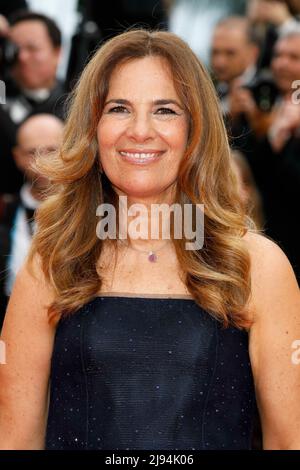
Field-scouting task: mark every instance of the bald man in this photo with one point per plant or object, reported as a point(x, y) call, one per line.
point(40, 133)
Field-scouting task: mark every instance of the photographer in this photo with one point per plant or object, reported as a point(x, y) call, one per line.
point(7, 132)
point(285, 66)
point(274, 142)
point(234, 53)
point(270, 19)
point(33, 87)
point(38, 46)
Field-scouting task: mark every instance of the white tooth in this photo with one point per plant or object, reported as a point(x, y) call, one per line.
point(138, 155)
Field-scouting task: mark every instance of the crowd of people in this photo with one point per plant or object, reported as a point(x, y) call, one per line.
point(255, 62)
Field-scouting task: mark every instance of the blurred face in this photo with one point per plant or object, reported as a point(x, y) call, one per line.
point(231, 54)
point(37, 59)
point(36, 136)
point(143, 132)
point(286, 63)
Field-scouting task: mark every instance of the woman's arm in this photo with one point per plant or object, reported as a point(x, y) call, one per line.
point(24, 378)
point(276, 306)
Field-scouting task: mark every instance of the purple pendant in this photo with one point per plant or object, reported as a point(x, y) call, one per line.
point(152, 257)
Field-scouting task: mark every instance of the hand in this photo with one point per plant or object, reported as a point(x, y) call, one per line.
point(241, 102)
point(4, 26)
point(286, 122)
point(264, 11)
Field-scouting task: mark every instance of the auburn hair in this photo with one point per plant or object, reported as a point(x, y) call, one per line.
point(218, 275)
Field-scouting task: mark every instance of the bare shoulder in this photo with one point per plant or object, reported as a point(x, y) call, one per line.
point(267, 258)
point(259, 244)
point(31, 296)
point(272, 276)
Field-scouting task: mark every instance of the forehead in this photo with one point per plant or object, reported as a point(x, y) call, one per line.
point(39, 134)
point(229, 38)
point(32, 30)
point(291, 44)
point(142, 77)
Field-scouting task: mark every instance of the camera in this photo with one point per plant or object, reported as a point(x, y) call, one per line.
point(264, 91)
point(8, 56)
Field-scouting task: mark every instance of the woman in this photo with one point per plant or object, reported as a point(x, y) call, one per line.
point(148, 338)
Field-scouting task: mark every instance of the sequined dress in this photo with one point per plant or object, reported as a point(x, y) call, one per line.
point(149, 373)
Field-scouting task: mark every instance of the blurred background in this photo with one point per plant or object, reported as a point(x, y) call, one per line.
point(251, 49)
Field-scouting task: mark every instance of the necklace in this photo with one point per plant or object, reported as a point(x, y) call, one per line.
point(151, 254)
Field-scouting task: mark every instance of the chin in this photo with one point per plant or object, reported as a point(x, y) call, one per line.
point(138, 193)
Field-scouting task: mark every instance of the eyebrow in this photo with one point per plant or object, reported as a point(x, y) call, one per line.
point(155, 102)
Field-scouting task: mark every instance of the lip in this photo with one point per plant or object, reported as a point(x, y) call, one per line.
point(155, 156)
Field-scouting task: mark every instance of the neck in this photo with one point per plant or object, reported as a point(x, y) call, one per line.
point(145, 222)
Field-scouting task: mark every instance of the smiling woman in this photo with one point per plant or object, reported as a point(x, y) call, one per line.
point(144, 355)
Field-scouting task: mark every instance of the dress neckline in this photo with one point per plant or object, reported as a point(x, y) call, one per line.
point(132, 295)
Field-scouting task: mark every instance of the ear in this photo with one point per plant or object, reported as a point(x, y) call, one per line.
point(58, 52)
point(255, 53)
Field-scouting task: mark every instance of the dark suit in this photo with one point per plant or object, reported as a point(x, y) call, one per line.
point(8, 209)
point(10, 177)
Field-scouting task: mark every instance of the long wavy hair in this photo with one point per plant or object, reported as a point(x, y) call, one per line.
point(218, 275)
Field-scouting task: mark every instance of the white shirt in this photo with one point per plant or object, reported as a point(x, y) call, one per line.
point(20, 237)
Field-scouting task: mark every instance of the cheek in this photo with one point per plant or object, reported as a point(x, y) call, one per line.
point(177, 139)
point(44, 59)
point(276, 64)
point(105, 134)
point(237, 63)
point(176, 136)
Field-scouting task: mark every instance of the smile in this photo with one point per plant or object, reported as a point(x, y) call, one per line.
point(140, 157)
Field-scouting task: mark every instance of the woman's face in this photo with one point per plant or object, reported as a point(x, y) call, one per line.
point(143, 131)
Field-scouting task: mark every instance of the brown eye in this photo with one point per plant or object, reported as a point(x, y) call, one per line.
point(117, 109)
point(165, 111)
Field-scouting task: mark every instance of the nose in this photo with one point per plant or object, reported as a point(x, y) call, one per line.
point(141, 127)
point(219, 60)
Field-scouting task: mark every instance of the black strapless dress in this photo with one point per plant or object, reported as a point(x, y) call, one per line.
point(149, 373)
